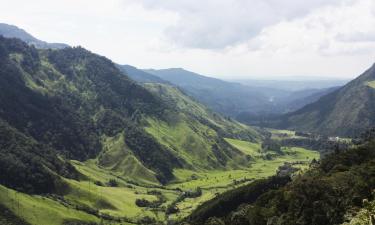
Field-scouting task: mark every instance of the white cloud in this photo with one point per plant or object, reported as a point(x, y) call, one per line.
point(214, 24)
point(347, 29)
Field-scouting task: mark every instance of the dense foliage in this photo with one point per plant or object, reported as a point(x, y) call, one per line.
point(27, 166)
point(7, 217)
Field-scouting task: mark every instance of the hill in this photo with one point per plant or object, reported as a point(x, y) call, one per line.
point(348, 111)
point(11, 31)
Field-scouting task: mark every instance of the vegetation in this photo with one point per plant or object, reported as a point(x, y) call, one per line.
point(320, 196)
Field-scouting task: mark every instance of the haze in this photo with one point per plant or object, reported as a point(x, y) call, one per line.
point(229, 39)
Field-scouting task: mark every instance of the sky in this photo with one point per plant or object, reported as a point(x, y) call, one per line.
point(229, 39)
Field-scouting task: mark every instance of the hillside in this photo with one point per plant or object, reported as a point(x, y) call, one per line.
point(347, 111)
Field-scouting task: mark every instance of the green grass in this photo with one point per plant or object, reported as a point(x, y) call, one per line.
point(40, 210)
point(194, 146)
point(248, 148)
point(121, 199)
point(117, 157)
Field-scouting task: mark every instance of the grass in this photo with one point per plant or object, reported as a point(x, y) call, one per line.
point(40, 210)
point(118, 158)
point(119, 201)
point(122, 198)
point(248, 148)
point(189, 140)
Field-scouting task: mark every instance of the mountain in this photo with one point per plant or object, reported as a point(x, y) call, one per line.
point(244, 102)
point(299, 99)
point(289, 103)
point(140, 75)
point(11, 31)
point(338, 190)
point(347, 111)
point(221, 96)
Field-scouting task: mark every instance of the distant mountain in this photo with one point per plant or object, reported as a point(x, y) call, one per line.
point(301, 98)
point(290, 103)
point(140, 75)
point(11, 31)
point(347, 111)
point(221, 96)
point(238, 100)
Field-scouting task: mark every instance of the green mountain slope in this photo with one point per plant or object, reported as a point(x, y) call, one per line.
point(347, 111)
point(70, 98)
point(197, 132)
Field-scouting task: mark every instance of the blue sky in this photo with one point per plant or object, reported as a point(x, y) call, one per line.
point(229, 39)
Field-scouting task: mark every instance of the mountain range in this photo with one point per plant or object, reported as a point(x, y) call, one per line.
point(230, 98)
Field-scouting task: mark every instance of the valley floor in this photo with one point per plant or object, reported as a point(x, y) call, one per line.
point(96, 199)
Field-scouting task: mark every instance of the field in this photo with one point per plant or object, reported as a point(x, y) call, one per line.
point(93, 194)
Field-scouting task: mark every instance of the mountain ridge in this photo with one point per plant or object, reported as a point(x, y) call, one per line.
point(11, 31)
point(347, 111)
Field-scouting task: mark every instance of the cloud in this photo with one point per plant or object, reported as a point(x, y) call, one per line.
point(332, 30)
point(215, 24)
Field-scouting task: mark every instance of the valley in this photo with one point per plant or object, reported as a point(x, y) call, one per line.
point(86, 141)
point(94, 199)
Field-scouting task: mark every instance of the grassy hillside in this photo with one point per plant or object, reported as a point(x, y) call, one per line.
point(196, 134)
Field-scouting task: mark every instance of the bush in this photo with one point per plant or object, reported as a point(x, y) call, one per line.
point(112, 183)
